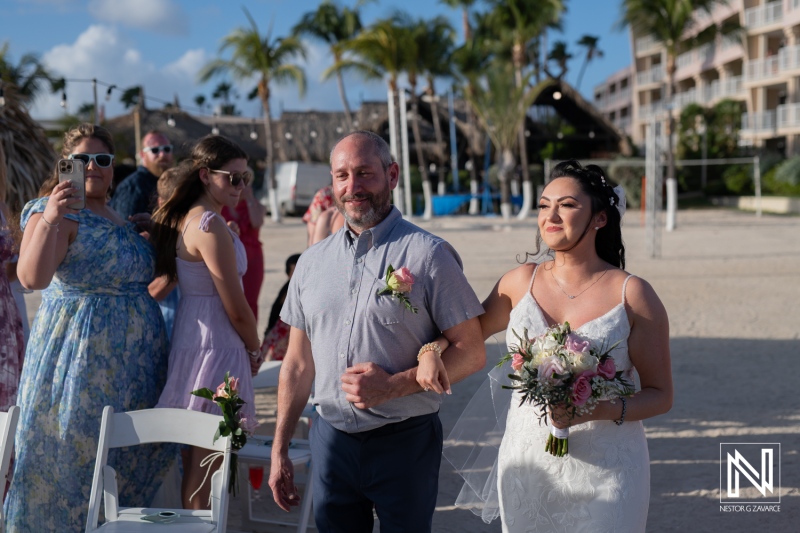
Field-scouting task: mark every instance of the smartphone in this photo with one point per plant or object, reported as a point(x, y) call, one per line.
point(74, 171)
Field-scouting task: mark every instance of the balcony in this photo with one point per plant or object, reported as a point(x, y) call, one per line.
point(623, 123)
point(789, 58)
point(757, 17)
point(685, 98)
point(648, 111)
point(647, 44)
point(789, 116)
point(762, 69)
point(764, 122)
point(648, 77)
point(794, 4)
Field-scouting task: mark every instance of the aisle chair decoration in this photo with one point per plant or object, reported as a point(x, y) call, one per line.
point(232, 425)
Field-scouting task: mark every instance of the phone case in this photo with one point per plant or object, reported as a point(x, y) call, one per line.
point(73, 170)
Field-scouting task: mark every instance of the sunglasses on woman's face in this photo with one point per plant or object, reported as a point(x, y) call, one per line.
point(236, 178)
point(101, 160)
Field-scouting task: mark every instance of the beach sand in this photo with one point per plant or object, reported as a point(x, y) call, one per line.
point(731, 285)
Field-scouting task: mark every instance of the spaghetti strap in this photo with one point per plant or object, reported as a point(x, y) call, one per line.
point(625, 284)
point(186, 226)
point(533, 276)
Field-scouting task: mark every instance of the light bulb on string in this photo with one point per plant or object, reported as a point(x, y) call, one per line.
point(253, 132)
point(63, 102)
point(214, 130)
point(170, 121)
point(2, 97)
point(108, 92)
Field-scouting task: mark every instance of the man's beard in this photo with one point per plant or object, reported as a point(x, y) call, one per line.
point(379, 206)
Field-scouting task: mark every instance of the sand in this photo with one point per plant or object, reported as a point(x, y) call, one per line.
point(731, 285)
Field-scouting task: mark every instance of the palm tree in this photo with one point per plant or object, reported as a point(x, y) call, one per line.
point(224, 91)
point(520, 22)
point(500, 105)
point(28, 76)
point(269, 59)
point(561, 56)
point(200, 101)
point(435, 43)
point(464, 5)
point(667, 21)
point(382, 51)
point(130, 96)
point(471, 61)
point(334, 26)
point(592, 51)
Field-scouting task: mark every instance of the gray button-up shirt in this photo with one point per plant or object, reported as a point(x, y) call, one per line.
point(333, 298)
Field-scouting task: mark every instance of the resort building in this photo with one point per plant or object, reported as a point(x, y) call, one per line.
point(758, 66)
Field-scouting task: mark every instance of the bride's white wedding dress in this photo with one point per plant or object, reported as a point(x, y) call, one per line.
point(603, 484)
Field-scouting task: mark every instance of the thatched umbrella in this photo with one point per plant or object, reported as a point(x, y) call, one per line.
point(29, 157)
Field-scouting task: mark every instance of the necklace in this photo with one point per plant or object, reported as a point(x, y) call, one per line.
point(571, 297)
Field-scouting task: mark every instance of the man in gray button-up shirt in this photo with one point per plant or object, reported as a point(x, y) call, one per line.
point(378, 439)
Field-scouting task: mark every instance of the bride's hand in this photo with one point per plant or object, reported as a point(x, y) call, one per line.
point(559, 417)
point(431, 374)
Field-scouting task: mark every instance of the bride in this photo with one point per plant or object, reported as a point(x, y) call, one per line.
point(603, 484)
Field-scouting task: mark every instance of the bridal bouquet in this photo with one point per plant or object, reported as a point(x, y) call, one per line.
point(232, 424)
point(559, 368)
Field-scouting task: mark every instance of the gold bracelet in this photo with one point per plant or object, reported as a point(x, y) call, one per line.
point(430, 347)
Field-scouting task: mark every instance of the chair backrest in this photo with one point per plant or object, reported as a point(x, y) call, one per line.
point(180, 426)
point(8, 428)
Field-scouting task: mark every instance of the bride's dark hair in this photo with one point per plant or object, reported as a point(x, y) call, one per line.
point(594, 183)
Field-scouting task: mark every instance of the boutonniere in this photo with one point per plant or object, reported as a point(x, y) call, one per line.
point(398, 283)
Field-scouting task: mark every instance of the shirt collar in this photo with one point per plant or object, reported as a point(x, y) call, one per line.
point(380, 231)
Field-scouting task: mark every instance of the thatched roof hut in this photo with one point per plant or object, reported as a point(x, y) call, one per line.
point(29, 157)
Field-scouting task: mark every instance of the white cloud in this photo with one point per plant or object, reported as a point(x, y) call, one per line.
point(188, 65)
point(159, 16)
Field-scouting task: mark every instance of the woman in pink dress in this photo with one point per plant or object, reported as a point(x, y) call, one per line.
point(249, 217)
point(215, 329)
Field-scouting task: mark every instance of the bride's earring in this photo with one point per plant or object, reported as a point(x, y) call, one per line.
point(596, 228)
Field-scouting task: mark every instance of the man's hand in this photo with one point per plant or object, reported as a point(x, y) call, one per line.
point(368, 385)
point(281, 481)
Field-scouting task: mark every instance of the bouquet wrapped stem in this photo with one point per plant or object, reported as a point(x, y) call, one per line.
point(557, 442)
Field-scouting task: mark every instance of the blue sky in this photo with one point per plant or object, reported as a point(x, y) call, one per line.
point(162, 44)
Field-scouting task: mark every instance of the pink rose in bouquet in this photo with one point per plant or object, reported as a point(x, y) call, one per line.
point(403, 280)
point(551, 365)
point(574, 343)
point(607, 368)
point(581, 390)
point(517, 362)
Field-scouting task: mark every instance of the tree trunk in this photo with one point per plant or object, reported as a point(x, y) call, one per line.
point(527, 199)
point(348, 117)
point(274, 208)
point(474, 182)
point(672, 182)
point(437, 131)
point(423, 168)
point(397, 196)
point(505, 169)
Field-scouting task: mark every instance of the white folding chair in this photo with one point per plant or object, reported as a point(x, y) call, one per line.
point(8, 428)
point(258, 451)
point(180, 426)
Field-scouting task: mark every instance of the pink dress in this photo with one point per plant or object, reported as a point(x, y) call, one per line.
point(205, 344)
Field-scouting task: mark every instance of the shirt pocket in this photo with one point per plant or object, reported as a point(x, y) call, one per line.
point(385, 308)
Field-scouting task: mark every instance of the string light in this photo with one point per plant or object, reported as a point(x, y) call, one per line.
point(108, 92)
point(253, 132)
point(2, 97)
point(63, 102)
point(170, 121)
point(557, 95)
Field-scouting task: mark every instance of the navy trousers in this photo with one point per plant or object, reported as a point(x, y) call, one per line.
point(394, 468)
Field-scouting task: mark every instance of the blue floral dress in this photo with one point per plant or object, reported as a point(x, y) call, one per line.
point(98, 339)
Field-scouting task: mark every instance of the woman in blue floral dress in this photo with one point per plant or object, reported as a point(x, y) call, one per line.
point(98, 339)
